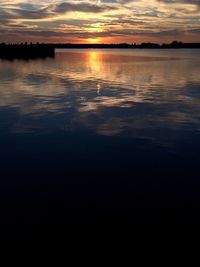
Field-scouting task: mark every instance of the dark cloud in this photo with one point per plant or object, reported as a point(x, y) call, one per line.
point(193, 2)
point(111, 33)
point(195, 31)
point(83, 7)
point(7, 14)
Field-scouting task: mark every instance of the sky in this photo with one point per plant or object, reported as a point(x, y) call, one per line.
point(99, 21)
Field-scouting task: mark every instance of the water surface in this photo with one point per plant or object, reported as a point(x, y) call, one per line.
point(96, 135)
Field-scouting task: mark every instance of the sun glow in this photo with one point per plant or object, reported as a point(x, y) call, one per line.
point(93, 41)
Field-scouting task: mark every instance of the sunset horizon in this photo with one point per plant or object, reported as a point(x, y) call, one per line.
point(105, 21)
point(97, 42)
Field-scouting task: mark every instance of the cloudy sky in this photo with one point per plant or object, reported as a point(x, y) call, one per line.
point(98, 21)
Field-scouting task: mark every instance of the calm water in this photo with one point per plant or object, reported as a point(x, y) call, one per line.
point(101, 135)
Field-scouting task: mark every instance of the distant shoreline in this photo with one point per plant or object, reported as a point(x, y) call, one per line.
point(174, 44)
point(32, 51)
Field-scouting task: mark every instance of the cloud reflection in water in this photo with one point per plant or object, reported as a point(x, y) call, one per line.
point(104, 92)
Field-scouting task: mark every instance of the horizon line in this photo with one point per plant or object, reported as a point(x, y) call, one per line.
point(91, 44)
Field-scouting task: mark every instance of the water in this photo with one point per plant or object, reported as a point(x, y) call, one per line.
point(99, 136)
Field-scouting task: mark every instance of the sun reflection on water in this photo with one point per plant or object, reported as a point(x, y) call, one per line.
point(118, 91)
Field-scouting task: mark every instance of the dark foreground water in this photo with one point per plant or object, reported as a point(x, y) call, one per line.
point(100, 136)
